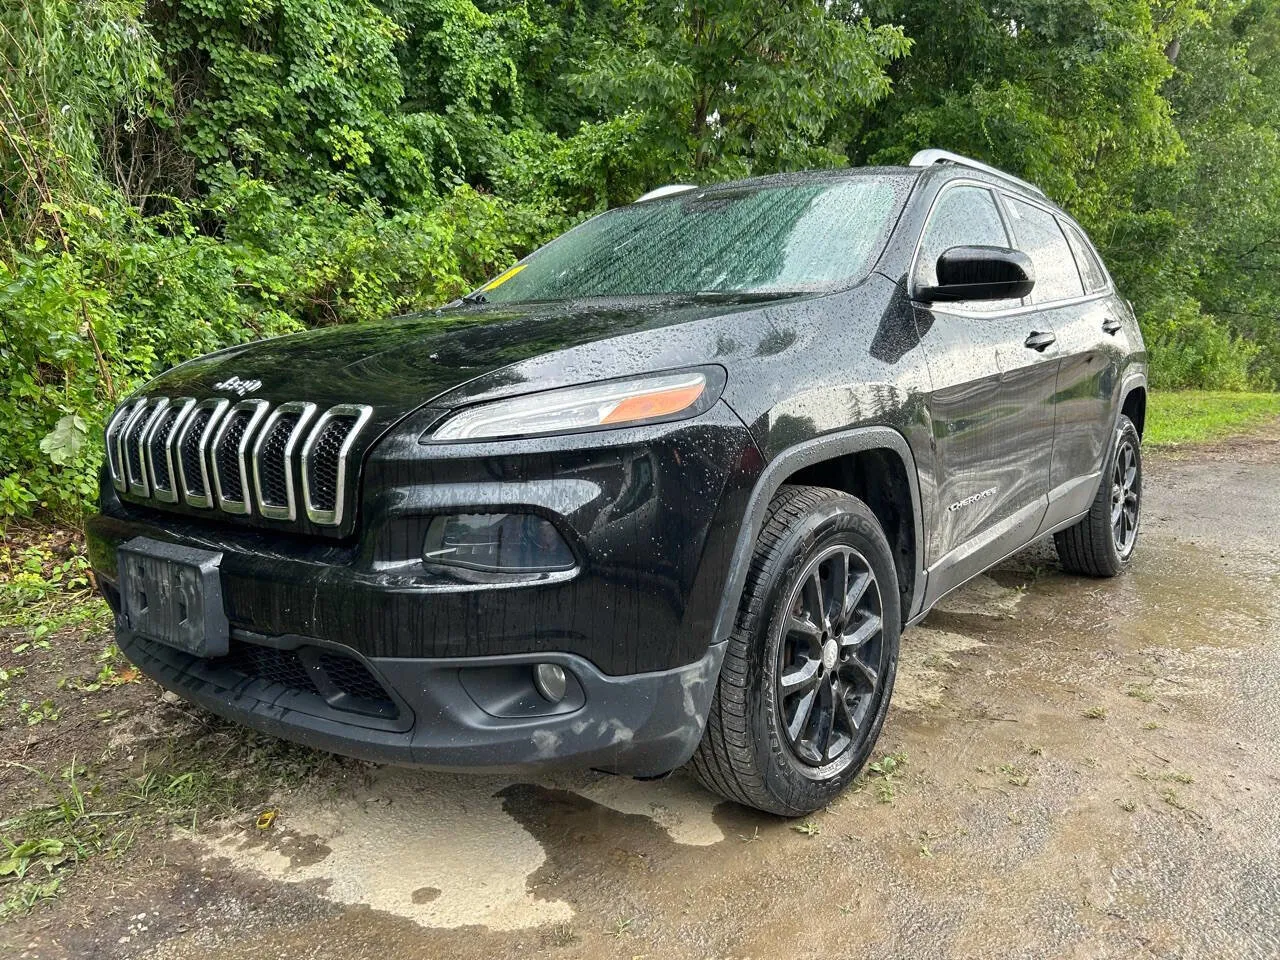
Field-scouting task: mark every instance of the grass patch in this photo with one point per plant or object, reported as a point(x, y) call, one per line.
point(202, 770)
point(1194, 416)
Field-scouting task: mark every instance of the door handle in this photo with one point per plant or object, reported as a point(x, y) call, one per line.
point(1040, 341)
point(1112, 326)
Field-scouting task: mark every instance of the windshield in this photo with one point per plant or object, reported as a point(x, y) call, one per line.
point(794, 238)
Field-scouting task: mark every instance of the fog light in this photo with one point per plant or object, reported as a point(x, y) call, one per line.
point(497, 543)
point(550, 680)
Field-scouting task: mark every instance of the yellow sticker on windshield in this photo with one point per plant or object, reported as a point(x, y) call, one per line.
point(503, 278)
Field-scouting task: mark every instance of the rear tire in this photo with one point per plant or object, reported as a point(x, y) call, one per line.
point(809, 668)
point(1103, 542)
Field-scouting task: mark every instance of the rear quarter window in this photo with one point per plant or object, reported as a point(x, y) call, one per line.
point(1095, 278)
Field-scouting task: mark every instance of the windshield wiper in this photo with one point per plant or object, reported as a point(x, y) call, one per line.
point(477, 297)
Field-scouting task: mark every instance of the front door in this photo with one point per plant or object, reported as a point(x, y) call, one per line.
point(993, 366)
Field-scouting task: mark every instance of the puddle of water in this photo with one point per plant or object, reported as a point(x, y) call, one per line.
point(924, 664)
point(438, 850)
point(982, 597)
point(677, 804)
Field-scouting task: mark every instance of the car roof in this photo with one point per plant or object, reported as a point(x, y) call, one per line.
point(944, 170)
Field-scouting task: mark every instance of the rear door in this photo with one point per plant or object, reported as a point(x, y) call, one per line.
point(1086, 372)
point(1093, 341)
point(991, 405)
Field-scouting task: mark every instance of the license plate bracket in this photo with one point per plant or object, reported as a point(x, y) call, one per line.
point(172, 594)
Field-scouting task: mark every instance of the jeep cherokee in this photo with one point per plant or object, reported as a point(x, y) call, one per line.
point(667, 490)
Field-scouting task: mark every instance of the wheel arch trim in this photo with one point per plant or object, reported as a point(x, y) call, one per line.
point(775, 474)
point(1131, 382)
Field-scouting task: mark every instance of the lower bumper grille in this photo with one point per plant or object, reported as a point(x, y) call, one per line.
point(269, 665)
point(343, 682)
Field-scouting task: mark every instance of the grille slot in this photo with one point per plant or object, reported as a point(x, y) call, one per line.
point(275, 468)
point(270, 665)
point(115, 448)
point(191, 458)
point(191, 445)
point(324, 461)
point(159, 449)
point(351, 677)
point(230, 443)
point(134, 440)
point(273, 456)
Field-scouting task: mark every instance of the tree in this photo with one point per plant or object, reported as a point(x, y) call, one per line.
point(741, 86)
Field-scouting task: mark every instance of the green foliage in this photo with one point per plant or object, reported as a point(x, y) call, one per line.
point(741, 86)
point(177, 176)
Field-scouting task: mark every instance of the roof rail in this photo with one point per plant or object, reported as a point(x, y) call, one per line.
point(927, 158)
point(667, 191)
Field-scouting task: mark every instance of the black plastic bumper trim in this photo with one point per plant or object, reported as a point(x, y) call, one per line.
point(643, 724)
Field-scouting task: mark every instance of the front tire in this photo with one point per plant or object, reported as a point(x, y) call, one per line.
point(810, 665)
point(1102, 543)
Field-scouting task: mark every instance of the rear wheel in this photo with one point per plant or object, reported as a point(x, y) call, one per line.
point(1102, 543)
point(810, 665)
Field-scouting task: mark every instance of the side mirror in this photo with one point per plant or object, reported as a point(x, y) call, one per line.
point(981, 273)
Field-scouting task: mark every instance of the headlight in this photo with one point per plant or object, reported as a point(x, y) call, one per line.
point(615, 403)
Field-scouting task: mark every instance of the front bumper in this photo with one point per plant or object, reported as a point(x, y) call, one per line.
point(642, 725)
point(652, 514)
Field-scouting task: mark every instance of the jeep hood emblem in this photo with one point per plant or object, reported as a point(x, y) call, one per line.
point(238, 386)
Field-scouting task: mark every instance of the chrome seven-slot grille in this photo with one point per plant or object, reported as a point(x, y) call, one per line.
point(240, 458)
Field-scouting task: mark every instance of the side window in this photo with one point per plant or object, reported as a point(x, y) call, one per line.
point(962, 216)
point(1038, 236)
point(1095, 278)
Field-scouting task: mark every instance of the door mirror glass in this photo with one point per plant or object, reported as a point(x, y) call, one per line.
point(980, 273)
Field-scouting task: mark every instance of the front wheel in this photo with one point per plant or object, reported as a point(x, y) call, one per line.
point(809, 668)
point(1102, 543)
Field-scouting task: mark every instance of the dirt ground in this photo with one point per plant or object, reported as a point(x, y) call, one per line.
point(1085, 769)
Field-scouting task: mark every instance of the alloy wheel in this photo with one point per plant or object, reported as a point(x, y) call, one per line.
point(1126, 497)
point(830, 656)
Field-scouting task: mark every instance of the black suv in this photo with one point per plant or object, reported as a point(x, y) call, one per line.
point(666, 490)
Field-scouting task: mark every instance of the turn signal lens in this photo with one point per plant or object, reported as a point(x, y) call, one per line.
point(611, 404)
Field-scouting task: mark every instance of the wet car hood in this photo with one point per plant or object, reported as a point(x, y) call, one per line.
point(398, 365)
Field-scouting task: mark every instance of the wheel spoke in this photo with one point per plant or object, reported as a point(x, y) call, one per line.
point(846, 713)
point(826, 720)
point(1117, 505)
point(814, 600)
point(800, 678)
point(864, 631)
point(839, 579)
point(836, 744)
point(805, 626)
point(800, 720)
point(865, 677)
point(853, 596)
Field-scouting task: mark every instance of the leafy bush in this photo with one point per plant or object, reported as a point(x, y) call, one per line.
point(158, 291)
point(1189, 349)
